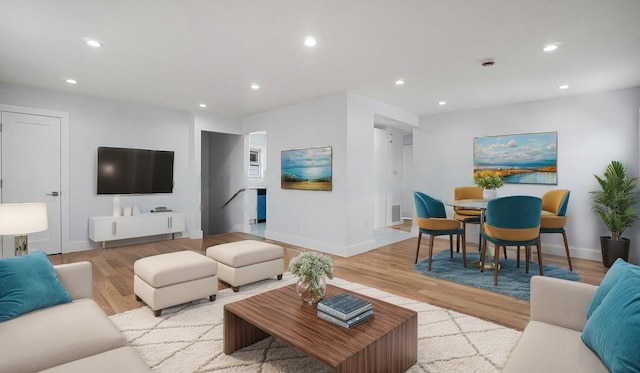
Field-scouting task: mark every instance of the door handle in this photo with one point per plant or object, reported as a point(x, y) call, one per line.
point(54, 194)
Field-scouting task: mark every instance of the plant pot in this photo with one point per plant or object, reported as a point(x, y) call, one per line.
point(613, 249)
point(489, 194)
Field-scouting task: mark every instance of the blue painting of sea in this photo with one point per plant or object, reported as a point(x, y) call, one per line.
point(533, 178)
point(308, 173)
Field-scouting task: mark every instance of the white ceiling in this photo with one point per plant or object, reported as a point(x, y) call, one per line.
point(178, 54)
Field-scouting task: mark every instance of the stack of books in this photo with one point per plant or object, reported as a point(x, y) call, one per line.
point(345, 310)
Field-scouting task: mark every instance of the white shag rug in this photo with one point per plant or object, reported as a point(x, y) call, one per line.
point(188, 338)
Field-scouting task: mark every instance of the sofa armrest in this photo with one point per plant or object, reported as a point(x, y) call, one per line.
point(76, 278)
point(560, 302)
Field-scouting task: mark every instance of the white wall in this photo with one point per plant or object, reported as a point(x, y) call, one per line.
point(314, 219)
point(341, 221)
point(592, 131)
point(95, 122)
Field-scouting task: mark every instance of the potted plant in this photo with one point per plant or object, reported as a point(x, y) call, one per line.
point(489, 183)
point(311, 268)
point(615, 204)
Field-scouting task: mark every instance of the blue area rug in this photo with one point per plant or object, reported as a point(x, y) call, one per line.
point(512, 281)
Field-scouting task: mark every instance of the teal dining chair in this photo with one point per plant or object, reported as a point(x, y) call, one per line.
point(432, 220)
point(512, 221)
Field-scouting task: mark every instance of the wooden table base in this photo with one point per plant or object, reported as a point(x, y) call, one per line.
point(386, 343)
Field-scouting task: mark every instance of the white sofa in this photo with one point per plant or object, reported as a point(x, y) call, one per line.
point(71, 337)
point(551, 340)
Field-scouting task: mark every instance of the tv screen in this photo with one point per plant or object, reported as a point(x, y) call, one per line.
point(134, 171)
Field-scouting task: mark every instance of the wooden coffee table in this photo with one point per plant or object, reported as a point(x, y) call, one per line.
point(386, 343)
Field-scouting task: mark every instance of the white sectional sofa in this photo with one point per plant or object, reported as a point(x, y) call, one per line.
point(70, 337)
point(576, 327)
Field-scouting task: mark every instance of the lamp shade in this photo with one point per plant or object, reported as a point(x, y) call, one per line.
point(22, 218)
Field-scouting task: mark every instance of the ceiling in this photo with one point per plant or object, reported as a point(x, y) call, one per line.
point(181, 53)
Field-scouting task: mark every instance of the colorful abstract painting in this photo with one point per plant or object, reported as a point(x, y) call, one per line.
point(530, 158)
point(307, 169)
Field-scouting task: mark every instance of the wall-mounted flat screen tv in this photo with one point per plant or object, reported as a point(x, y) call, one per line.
point(134, 171)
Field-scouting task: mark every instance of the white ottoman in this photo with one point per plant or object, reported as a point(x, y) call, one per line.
point(167, 280)
point(244, 262)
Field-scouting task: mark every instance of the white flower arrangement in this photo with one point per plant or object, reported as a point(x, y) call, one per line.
point(311, 265)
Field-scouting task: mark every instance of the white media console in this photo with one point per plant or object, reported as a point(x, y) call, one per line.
point(109, 228)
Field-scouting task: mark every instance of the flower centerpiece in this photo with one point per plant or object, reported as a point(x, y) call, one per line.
point(311, 269)
point(489, 183)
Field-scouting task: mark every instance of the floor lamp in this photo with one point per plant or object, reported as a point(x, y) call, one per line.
point(20, 219)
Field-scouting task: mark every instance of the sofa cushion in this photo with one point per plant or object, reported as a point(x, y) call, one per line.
point(28, 283)
point(123, 359)
point(617, 270)
point(56, 335)
point(545, 347)
point(612, 330)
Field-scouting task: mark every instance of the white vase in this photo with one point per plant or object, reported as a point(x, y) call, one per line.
point(488, 194)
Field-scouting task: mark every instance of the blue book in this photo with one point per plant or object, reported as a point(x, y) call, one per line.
point(344, 306)
point(366, 315)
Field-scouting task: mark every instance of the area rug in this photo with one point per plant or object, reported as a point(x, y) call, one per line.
point(512, 281)
point(188, 338)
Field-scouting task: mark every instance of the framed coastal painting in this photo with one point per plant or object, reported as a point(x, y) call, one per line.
point(528, 158)
point(307, 169)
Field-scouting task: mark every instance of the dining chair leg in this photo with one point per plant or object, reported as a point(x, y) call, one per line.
point(418, 248)
point(540, 258)
point(431, 238)
point(483, 252)
point(518, 257)
point(566, 248)
point(504, 248)
point(451, 246)
point(464, 249)
point(527, 251)
point(496, 263)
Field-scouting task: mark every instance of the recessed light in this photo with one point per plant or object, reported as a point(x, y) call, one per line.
point(310, 41)
point(563, 86)
point(203, 105)
point(550, 48)
point(255, 86)
point(94, 43)
point(399, 82)
point(442, 103)
point(72, 81)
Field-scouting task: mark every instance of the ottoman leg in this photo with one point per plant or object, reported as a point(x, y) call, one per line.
point(212, 297)
point(280, 277)
point(236, 289)
point(138, 298)
point(157, 313)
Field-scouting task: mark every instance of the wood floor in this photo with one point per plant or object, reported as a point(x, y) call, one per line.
point(389, 268)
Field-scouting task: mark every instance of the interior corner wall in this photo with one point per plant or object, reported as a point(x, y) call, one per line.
point(593, 130)
point(312, 219)
point(95, 122)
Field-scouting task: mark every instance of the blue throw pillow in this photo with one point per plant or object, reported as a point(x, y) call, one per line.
point(613, 329)
point(617, 270)
point(28, 283)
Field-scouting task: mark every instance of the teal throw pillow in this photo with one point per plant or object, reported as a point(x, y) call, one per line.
point(617, 270)
point(28, 283)
point(613, 329)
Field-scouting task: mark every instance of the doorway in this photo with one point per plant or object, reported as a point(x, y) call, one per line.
point(32, 170)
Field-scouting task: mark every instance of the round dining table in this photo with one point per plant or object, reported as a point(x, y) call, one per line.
point(476, 204)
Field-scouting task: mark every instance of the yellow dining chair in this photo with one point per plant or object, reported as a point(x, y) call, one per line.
point(512, 221)
point(554, 216)
point(465, 215)
point(432, 220)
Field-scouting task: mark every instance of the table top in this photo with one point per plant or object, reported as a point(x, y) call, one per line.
point(478, 204)
point(282, 314)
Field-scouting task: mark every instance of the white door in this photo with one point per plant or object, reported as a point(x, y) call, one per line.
point(30, 172)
